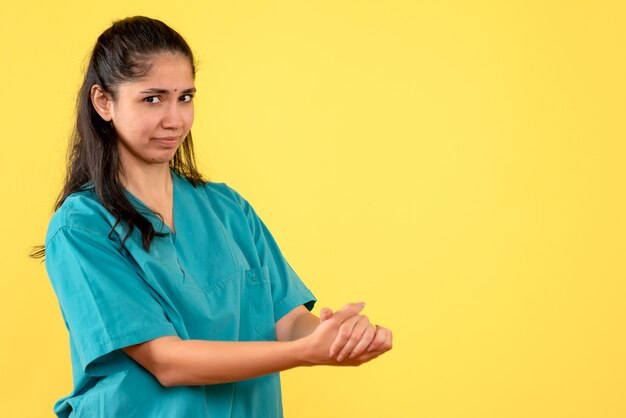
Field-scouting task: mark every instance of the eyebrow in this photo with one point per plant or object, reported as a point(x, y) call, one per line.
point(156, 90)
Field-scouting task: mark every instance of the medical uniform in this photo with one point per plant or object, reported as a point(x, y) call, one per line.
point(220, 277)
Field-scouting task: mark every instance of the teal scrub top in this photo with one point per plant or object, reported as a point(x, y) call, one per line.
point(220, 277)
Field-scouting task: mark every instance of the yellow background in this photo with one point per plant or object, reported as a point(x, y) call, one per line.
point(457, 165)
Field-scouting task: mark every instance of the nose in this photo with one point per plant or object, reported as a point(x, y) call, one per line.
point(173, 116)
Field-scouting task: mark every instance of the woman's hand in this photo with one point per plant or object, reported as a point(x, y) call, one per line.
point(348, 335)
point(357, 336)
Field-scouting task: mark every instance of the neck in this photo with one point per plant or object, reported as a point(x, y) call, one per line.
point(152, 181)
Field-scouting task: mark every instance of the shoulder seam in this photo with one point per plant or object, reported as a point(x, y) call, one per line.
point(68, 227)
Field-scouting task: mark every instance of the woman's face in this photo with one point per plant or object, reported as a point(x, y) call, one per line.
point(153, 116)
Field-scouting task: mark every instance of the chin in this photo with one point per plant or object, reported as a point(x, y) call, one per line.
point(162, 159)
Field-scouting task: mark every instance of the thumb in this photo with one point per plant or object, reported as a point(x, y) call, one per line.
point(325, 314)
point(348, 311)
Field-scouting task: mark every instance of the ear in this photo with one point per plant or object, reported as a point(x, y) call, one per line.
point(102, 102)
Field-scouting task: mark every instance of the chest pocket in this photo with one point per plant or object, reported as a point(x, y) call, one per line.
point(235, 307)
point(260, 302)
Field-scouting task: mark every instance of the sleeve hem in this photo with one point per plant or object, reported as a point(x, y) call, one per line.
point(99, 349)
point(286, 305)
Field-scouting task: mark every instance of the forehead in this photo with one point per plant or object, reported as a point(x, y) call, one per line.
point(167, 71)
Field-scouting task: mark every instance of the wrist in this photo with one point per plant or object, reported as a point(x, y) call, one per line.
point(301, 352)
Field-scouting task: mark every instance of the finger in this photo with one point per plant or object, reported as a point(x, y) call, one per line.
point(343, 335)
point(355, 336)
point(348, 311)
point(379, 339)
point(362, 358)
point(387, 341)
point(383, 334)
point(366, 339)
point(325, 314)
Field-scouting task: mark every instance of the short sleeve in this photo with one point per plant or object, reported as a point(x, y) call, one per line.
point(105, 303)
point(288, 290)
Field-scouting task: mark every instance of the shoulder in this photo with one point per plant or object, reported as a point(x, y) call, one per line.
point(223, 191)
point(218, 193)
point(81, 210)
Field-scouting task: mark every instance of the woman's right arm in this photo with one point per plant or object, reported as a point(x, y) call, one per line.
point(176, 362)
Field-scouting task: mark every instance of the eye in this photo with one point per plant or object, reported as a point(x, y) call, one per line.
point(188, 96)
point(150, 99)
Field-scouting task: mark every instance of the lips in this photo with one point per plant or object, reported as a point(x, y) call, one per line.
point(167, 140)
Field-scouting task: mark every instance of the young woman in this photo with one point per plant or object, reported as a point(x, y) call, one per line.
point(177, 299)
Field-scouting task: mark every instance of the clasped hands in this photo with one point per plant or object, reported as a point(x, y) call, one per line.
point(348, 338)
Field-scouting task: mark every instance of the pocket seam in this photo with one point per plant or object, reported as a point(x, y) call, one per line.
point(260, 285)
point(213, 286)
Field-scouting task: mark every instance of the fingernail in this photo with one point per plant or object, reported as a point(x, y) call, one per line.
point(340, 357)
point(332, 354)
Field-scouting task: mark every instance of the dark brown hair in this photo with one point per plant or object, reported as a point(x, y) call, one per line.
point(122, 53)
